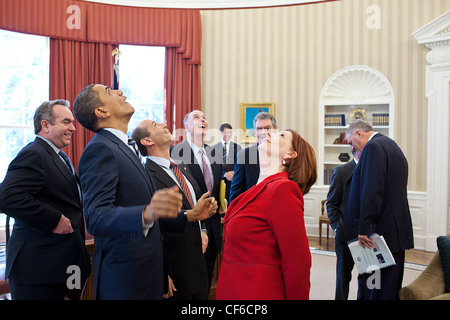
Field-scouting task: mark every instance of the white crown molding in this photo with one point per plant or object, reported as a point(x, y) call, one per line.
point(435, 31)
point(436, 36)
point(204, 4)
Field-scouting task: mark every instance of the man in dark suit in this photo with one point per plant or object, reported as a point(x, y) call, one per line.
point(205, 165)
point(246, 168)
point(41, 192)
point(122, 207)
point(183, 252)
point(378, 203)
point(337, 195)
point(228, 149)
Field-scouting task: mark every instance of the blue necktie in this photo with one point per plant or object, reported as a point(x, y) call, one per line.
point(71, 168)
point(67, 161)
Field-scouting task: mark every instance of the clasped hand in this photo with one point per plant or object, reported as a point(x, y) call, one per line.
point(165, 203)
point(204, 209)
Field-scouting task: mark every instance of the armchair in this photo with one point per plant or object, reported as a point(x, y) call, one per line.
point(429, 285)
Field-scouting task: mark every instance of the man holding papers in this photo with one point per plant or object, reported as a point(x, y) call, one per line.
point(378, 203)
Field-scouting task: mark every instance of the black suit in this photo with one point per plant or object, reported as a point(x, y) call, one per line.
point(246, 171)
point(378, 204)
point(37, 189)
point(182, 153)
point(183, 257)
point(337, 195)
point(228, 165)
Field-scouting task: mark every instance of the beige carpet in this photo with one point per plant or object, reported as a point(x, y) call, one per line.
point(323, 276)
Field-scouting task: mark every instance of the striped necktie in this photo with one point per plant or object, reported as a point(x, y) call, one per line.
point(224, 155)
point(132, 143)
point(182, 182)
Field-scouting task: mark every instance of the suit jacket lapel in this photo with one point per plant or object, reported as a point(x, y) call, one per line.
point(216, 163)
point(350, 170)
point(188, 158)
point(243, 199)
point(197, 173)
point(132, 156)
point(72, 180)
point(232, 153)
point(188, 175)
point(159, 174)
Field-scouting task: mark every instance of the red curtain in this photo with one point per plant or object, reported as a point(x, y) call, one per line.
point(50, 18)
point(74, 65)
point(178, 30)
point(83, 35)
point(182, 91)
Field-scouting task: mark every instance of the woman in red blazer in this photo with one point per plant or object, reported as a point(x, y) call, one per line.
point(266, 252)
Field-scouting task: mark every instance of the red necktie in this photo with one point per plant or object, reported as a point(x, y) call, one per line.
point(182, 182)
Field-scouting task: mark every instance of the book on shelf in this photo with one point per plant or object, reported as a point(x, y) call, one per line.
point(327, 175)
point(334, 120)
point(380, 119)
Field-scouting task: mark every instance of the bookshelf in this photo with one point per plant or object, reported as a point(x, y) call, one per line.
point(353, 92)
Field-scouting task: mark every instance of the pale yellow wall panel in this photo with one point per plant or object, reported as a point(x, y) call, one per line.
point(286, 54)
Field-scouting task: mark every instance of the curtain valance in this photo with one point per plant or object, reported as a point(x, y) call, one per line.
point(101, 23)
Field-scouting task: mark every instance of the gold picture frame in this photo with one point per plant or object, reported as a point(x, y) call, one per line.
point(248, 112)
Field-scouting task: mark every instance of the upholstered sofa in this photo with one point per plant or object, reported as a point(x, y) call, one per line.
point(430, 284)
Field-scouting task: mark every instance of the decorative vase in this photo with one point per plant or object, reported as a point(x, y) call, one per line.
point(344, 157)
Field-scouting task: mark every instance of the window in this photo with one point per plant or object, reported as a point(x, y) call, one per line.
point(141, 79)
point(24, 85)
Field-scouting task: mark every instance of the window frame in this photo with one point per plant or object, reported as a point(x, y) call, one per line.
point(28, 126)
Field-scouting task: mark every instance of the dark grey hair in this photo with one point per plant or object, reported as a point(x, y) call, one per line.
point(263, 116)
point(360, 125)
point(84, 107)
point(186, 117)
point(45, 112)
point(138, 134)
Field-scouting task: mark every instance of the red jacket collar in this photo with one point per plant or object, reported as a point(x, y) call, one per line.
point(251, 193)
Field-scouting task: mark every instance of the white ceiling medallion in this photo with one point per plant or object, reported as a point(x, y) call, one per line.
point(357, 85)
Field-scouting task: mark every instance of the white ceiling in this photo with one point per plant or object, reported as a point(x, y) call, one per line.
point(204, 4)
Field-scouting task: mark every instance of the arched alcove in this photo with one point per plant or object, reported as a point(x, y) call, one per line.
point(346, 91)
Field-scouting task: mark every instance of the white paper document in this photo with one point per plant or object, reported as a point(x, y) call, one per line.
point(371, 259)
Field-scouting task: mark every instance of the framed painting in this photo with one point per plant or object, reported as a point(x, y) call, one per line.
point(248, 112)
